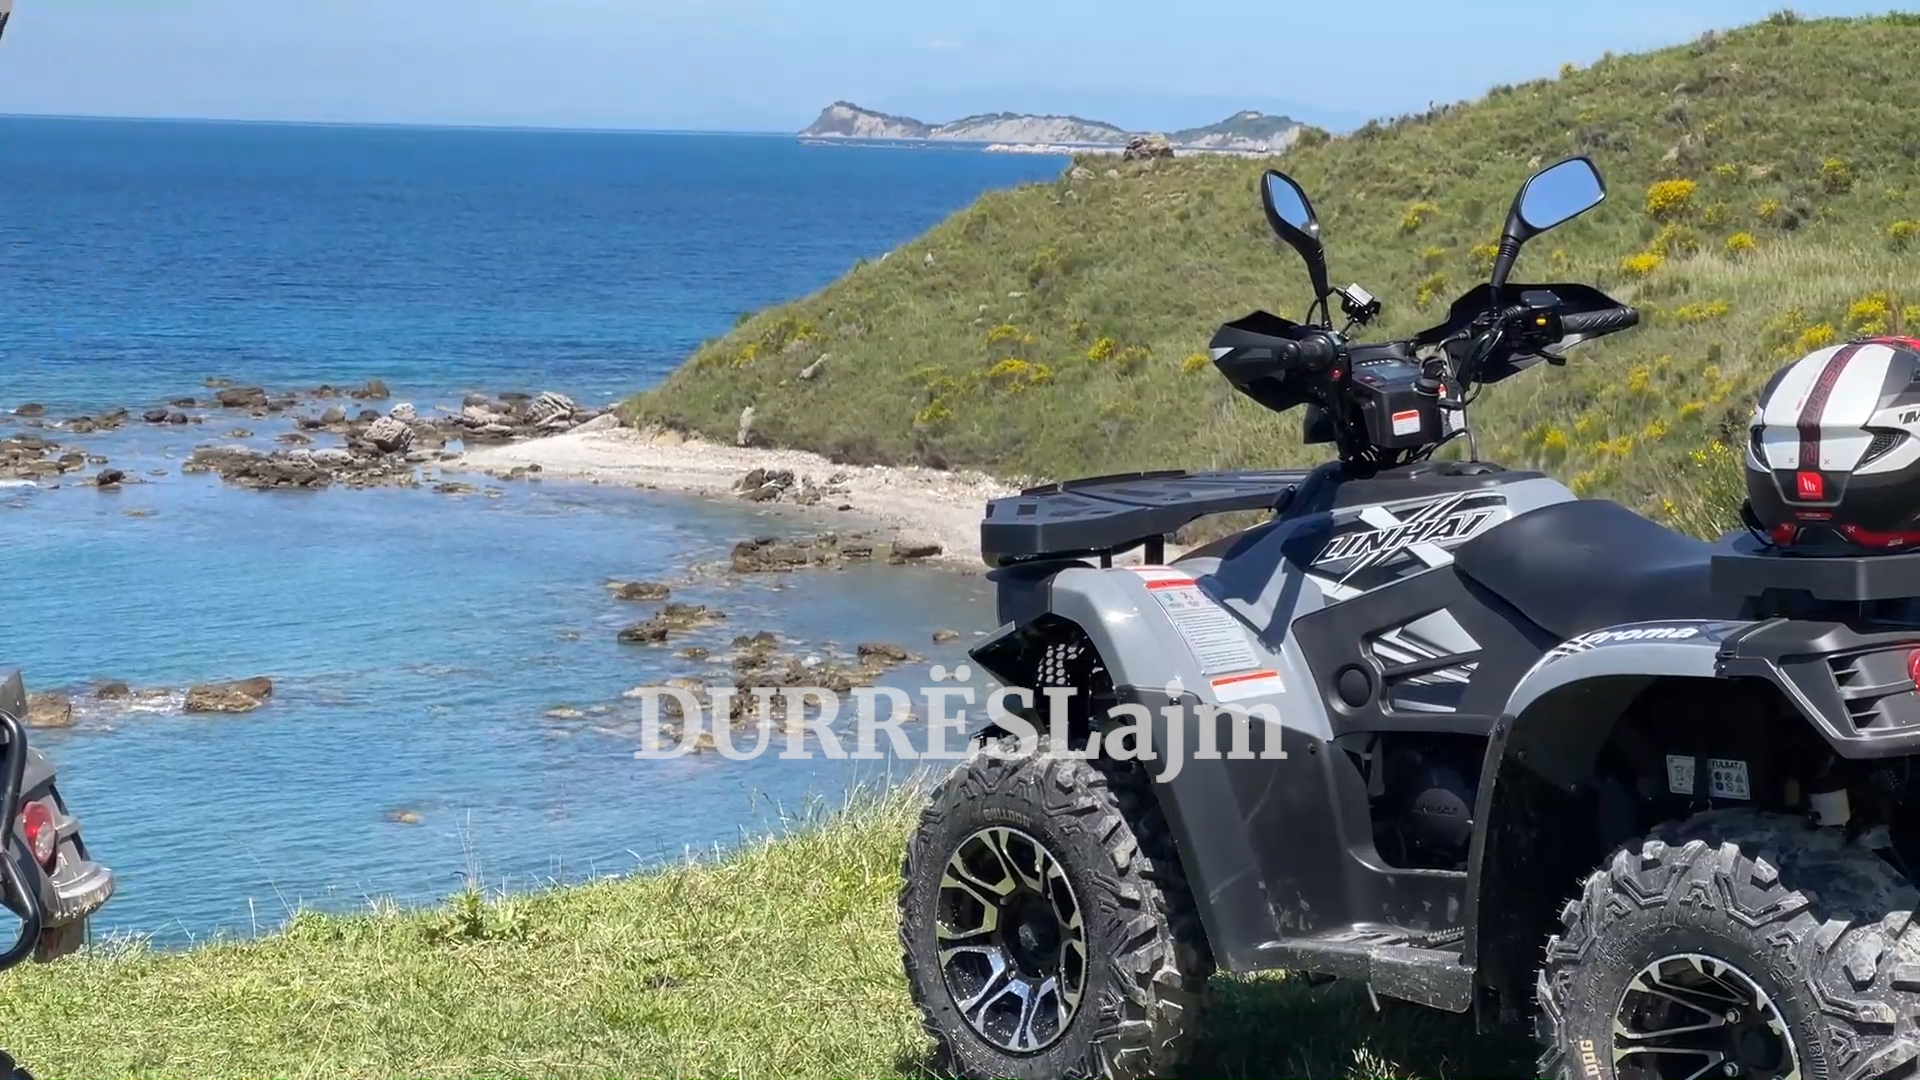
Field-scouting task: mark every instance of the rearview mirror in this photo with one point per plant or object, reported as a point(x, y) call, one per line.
point(1551, 197)
point(1291, 216)
point(1559, 194)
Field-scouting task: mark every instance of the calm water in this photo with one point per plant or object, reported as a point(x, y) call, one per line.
point(416, 640)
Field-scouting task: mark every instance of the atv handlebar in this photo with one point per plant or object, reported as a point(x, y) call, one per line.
point(1316, 352)
point(1595, 323)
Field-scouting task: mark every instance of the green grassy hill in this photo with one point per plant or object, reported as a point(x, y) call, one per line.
point(1765, 199)
point(780, 960)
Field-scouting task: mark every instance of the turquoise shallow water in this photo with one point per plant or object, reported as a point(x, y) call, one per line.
point(416, 640)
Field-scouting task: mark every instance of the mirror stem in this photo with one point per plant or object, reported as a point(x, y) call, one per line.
point(1503, 264)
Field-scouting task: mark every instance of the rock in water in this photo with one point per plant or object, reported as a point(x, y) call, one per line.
point(113, 690)
point(550, 407)
point(883, 651)
point(404, 412)
point(1147, 148)
point(245, 695)
point(639, 590)
point(480, 415)
point(49, 711)
point(242, 397)
point(672, 618)
point(941, 637)
point(914, 549)
point(375, 390)
point(109, 478)
point(390, 435)
point(31, 409)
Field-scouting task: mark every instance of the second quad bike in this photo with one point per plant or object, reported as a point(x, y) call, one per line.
point(1543, 757)
point(48, 880)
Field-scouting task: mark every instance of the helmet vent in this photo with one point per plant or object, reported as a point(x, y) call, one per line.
point(1883, 444)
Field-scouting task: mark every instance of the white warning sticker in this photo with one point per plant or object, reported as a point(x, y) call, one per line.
point(1680, 770)
point(1729, 779)
point(1249, 684)
point(1214, 636)
point(1407, 423)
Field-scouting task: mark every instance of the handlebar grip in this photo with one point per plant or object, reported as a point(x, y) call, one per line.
point(1316, 352)
point(1594, 323)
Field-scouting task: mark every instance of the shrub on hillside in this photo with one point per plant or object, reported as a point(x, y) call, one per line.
point(1872, 313)
point(1703, 312)
point(1835, 176)
point(1740, 243)
point(1901, 234)
point(1643, 264)
point(1670, 198)
point(1417, 214)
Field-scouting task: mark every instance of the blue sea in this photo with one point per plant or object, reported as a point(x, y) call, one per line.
point(417, 641)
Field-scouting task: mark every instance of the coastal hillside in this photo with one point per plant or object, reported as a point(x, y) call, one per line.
point(780, 960)
point(1760, 207)
point(1243, 131)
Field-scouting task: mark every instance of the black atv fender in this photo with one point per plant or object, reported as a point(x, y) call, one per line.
point(1141, 660)
point(1556, 721)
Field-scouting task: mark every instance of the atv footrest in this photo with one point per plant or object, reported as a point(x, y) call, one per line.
point(1384, 959)
point(1106, 515)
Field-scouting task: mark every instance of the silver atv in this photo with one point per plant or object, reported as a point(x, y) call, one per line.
point(1507, 751)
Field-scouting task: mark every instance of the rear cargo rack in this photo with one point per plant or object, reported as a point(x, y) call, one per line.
point(1746, 568)
point(1103, 516)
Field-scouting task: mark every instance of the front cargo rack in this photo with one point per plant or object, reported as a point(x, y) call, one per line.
point(1103, 516)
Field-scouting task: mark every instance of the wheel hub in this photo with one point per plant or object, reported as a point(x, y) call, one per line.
point(1013, 947)
point(1688, 1016)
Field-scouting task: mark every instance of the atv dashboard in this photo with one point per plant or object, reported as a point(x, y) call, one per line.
point(1106, 515)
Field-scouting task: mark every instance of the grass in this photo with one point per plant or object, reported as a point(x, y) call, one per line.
point(1758, 207)
point(777, 961)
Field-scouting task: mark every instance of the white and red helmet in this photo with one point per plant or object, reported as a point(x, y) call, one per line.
point(1833, 454)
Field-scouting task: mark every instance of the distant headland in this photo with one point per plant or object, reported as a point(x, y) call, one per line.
point(1246, 132)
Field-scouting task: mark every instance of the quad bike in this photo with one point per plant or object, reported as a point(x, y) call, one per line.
point(47, 880)
point(1542, 757)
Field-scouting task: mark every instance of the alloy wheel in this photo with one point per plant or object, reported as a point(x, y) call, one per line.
point(1693, 1017)
point(1012, 943)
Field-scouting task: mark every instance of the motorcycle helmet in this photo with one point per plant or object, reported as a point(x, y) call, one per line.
point(1833, 450)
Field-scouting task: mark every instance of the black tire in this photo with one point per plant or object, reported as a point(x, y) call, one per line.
point(1824, 931)
point(11, 1071)
point(1146, 963)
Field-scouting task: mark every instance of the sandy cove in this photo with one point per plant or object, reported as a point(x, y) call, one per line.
point(912, 503)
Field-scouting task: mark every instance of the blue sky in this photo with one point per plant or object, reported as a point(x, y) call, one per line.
point(769, 65)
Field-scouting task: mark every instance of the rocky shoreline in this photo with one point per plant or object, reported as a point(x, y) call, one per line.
point(376, 446)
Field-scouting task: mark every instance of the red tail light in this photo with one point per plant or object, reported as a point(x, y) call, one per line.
point(43, 837)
